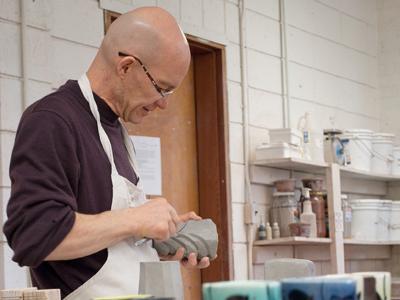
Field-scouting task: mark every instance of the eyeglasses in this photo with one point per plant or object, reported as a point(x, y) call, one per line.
point(160, 90)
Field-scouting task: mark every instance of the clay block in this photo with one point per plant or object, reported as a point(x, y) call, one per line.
point(200, 237)
point(278, 269)
point(161, 279)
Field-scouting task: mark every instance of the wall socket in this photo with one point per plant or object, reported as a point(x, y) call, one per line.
point(250, 213)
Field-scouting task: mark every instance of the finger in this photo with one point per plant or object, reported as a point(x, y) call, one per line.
point(189, 216)
point(179, 254)
point(192, 259)
point(174, 216)
point(171, 228)
point(203, 263)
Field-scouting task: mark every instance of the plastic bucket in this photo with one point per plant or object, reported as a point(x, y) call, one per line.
point(382, 157)
point(396, 161)
point(359, 148)
point(370, 219)
point(395, 221)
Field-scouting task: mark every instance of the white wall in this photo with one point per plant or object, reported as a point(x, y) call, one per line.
point(333, 67)
point(389, 65)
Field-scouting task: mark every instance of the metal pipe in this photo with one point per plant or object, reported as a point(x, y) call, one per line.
point(245, 105)
point(284, 66)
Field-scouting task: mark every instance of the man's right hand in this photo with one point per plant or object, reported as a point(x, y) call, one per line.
point(156, 219)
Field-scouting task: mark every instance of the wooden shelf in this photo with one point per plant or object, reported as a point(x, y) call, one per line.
point(297, 240)
point(354, 173)
point(295, 164)
point(372, 243)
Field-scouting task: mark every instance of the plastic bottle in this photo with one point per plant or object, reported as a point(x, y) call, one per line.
point(276, 233)
point(268, 229)
point(262, 234)
point(347, 217)
point(308, 216)
point(305, 127)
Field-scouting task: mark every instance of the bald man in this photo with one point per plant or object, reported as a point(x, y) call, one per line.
point(77, 208)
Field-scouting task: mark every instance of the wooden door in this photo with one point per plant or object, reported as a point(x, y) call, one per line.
point(176, 128)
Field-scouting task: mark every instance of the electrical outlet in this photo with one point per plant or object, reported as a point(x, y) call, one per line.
point(250, 213)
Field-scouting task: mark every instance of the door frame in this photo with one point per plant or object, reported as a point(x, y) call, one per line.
point(212, 146)
point(212, 149)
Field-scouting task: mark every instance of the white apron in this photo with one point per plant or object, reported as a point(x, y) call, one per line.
point(120, 273)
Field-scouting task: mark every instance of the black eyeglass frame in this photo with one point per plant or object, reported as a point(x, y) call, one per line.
point(160, 90)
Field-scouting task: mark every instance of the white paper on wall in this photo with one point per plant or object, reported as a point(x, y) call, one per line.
point(148, 156)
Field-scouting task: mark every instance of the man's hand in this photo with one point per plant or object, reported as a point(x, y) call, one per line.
point(191, 262)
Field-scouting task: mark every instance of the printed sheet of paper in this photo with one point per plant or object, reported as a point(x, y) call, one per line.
point(148, 155)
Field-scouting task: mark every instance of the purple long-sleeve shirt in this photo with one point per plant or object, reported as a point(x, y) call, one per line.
point(58, 167)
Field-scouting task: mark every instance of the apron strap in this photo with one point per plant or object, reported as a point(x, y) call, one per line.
point(84, 84)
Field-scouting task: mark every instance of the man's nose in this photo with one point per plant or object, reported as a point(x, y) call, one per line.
point(162, 103)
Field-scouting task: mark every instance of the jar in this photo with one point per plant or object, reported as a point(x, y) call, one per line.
point(284, 211)
point(318, 208)
point(347, 217)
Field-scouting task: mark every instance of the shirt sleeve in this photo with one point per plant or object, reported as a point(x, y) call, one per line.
point(44, 172)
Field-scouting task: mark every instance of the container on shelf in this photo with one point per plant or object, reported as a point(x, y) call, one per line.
point(370, 219)
point(312, 138)
point(284, 211)
point(285, 185)
point(335, 147)
point(347, 216)
point(382, 156)
point(315, 184)
point(359, 148)
point(277, 151)
point(395, 221)
point(396, 161)
point(300, 229)
point(318, 208)
point(285, 135)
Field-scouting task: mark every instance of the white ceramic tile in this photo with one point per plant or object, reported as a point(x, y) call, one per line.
point(235, 102)
point(39, 13)
point(84, 18)
point(4, 197)
point(9, 10)
point(214, 15)
point(39, 55)
point(266, 7)
point(10, 49)
point(236, 143)
point(15, 276)
point(240, 261)
point(264, 71)
point(237, 183)
point(262, 33)
point(328, 89)
point(37, 90)
point(265, 109)
point(258, 136)
point(355, 33)
point(300, 46)
point(192, 12)
point(233, 62)
point(6, 145)
point(232, 22)
point(239, 228)
point(301, 81)
point(10, 103)
point(64, 69)
point(261, 194)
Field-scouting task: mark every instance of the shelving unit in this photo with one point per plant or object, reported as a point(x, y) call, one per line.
point(294, 241)
point(334, 174)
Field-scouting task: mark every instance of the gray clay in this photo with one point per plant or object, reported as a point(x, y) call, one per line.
point(200, 237)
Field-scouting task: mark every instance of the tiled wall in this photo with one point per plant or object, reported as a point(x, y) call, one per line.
point(333, 67)
point(389, 65)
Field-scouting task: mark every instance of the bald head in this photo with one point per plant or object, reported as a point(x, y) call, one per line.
point(150, 33)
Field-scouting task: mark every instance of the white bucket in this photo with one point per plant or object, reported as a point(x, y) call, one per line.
point(395, 221)
point(359, 148)
point(371, 219)
point(396, 161)
point(382, 157)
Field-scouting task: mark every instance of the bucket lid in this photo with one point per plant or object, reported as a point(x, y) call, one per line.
point(283, 194)
point(358, 131)
point(332, 131)
point(371, 201)
point(278, 145)
point(285, 130)
point(396, 204)
point(383, 137)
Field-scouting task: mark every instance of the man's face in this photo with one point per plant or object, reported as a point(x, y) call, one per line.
point(144, 93)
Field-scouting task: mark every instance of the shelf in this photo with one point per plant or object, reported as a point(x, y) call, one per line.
point(354, 173)
point(372, 243)
point(297, 240)
point(295, 164)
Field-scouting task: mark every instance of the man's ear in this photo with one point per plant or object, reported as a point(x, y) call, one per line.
point(124, 66)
